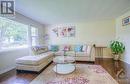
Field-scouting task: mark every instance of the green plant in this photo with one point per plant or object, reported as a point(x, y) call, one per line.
point(117, 47)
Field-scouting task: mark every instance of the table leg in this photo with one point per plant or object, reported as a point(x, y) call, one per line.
point(56, 69)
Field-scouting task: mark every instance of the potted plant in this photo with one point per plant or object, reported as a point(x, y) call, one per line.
point(117, 49)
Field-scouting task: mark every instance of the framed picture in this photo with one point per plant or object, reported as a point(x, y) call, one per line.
point(55, 31)
point(126, 21)
point(65, 31)
point(71, 31)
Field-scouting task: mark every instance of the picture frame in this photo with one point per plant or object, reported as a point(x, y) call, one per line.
point(126, 21)
point(64, 31)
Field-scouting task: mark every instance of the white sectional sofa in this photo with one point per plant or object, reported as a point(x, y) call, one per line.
point(42, 56)
point(87, 54)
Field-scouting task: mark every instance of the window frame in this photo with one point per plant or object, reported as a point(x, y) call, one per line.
point(29, 41)
point(37, 36)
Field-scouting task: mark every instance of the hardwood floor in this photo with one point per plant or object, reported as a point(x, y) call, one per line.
point(113, 67)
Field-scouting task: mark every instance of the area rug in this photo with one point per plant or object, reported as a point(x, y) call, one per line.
point(84, 74)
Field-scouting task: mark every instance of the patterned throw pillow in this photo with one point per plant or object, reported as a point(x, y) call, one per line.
point(54, 48)
point(78, 48)
point(39, 49)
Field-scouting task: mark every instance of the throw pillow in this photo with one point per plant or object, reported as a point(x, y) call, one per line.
point(66, 48)
point(39, 49)
point(54, 48)
point(72, 47)
point(78, 48)
point(61, 47)
point(84, 49)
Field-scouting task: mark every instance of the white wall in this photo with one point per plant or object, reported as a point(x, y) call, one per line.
point(7, 58)
point(123, 33)
point(98, 32)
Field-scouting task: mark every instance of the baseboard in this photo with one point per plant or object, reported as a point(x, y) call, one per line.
point(124, 61)
point(7, 69)
point(104, 57)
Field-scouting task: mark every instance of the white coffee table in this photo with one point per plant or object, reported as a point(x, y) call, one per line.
point(64, 64)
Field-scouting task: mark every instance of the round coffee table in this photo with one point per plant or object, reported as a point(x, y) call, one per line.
point(64, 64)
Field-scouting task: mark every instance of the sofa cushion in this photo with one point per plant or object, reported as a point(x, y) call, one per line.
point(59, 53)
point(70, 53)
point(81, 54)
point(34, 60)
point(78, 48)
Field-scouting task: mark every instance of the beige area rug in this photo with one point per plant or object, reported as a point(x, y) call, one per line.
point(84, 74)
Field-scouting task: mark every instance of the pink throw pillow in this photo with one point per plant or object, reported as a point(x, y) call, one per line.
point(66, 48)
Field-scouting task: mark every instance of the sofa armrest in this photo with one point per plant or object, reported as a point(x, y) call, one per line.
point(92, 54)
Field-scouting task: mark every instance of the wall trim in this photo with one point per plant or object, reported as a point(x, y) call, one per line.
point(103, 57)
point(7, 69)
point(124, 61)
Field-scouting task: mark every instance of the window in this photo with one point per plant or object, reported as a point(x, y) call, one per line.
point(17, 35)
point(34, 36)
point(12, 34)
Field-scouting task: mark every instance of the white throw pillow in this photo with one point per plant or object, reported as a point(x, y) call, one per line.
point(84, 49)
point(61, 47)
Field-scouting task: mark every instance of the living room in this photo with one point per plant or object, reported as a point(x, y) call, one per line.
point(65, 42)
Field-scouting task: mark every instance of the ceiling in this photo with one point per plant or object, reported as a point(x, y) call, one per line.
point(71, 11)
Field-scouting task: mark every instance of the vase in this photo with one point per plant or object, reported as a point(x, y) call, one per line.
point(116, 57)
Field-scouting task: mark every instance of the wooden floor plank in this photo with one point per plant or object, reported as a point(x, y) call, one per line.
point(111, 66)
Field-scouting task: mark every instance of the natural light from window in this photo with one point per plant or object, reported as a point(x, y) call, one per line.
point(34, 36)
point(12, 34)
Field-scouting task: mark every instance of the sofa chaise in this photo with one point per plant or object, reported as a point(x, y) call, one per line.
point(35, 62)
